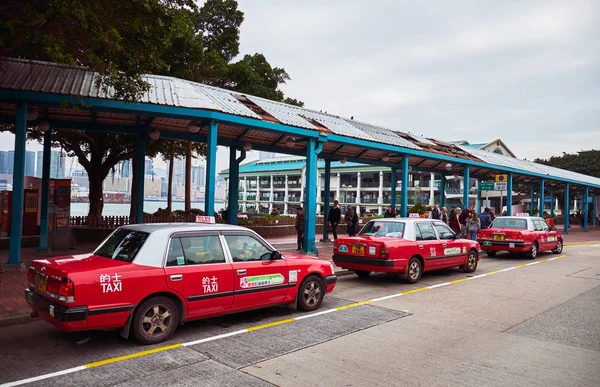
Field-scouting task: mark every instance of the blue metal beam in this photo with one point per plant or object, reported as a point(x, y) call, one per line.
point(466, 184)
point(394, 187)
point(310, 198)
point(552, 203)
point(509, 196)
point(595, 210)
point(211, 168)
point(16, 220)
point(46, 160)
point(404, 207)
point(326, 198)
point(442, 190)
point(141, 175)
point(586, 209)
point(541, 208)
point(566, 210)
point(532, 197)
point(478, 200)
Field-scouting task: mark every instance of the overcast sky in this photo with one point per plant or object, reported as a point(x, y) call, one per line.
point(524, 71)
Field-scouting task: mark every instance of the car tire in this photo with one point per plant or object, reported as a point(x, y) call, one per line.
point(534, 251)
point(157, 313)
point(471, 262)
point(311, 293)
point(559, 247)
point(362, 273)
point(414, 270)
point(491, 254)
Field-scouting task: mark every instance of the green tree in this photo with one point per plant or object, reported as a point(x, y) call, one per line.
point(585, 162)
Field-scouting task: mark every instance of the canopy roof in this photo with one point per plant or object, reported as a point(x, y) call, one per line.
point(69, 98)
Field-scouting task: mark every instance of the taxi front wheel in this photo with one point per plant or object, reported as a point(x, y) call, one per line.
point(471, 262)
point(414, 270)
point(155, 320)
point(311, 293)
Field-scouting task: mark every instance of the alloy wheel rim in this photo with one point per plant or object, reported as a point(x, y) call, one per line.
point(472, 260)
point(414, 270)
point(312, 293)
point(157, 320)
point(534, 251)
point(559, 247)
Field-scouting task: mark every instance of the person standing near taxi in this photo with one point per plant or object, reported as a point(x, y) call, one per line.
point(353, 222)
point(300, 227)
point(444, 215)
point(473, 226)
point(335, 215)
point(435, 213)
point(455, 222)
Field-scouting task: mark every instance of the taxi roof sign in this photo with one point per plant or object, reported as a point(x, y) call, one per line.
point(205, 219)
point(414, 215)
point(522, 214)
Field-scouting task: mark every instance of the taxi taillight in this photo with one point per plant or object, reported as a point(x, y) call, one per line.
point(520, 237)
point(61, 288)
point(31, 275)
point(384, 252)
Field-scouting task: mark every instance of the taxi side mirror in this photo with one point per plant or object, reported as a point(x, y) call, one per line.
point(275, 255)
point(553, 228)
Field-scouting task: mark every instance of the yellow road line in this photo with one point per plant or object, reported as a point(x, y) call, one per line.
point(414, 291)
point(353, 305)
point(132, 356)
point(271, 324)
point(459, 280)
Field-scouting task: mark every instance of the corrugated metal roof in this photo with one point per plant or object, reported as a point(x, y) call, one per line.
point(387, 136)
point(225, 100)
point(337, 125)
point(286, 114)
point(421, 139)
point(294, 166)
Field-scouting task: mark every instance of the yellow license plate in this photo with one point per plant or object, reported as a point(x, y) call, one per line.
point(360, 250)
point(42, 285)
point(498, 237)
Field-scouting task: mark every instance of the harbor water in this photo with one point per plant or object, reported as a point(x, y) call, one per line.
point(122, 209)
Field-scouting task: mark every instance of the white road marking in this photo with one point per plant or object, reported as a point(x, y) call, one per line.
point(212, 338)
point(509, 268)
point(387, 297)
point(438, 285)
point(43, 377)
point(314, 314)
point(478, 276)
point(532, 263)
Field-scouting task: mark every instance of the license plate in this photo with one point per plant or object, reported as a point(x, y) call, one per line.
point(42, 285)
point(360, 250)
point(498, 237)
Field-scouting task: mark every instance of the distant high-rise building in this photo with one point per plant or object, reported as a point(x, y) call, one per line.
point(3, 162)
point(149, 167)
point(57, 164)
point(10, 162)
point(126, 168)
point(198, 176)
point(29, 163)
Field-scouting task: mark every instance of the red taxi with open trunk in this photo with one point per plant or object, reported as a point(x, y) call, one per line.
point(149, 278)
point(520, 234)
point(407, 246)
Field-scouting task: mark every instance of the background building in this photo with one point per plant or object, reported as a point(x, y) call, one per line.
point(58, 160)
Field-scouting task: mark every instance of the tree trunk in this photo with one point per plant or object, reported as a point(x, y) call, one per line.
point(170, 181)
point(95, 179)
point(134, 178)
point(188, 177)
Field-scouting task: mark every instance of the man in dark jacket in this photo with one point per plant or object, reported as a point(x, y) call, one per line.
point(300, 227)
point(485, 218)
point(466, 214)
point(435, 213)
point(335, 215)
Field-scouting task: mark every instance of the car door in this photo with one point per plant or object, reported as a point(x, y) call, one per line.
point(197, 269)
point(259, 281)
point(428, 244)
point(453, 250)
point(553, 235)
point(543, 235)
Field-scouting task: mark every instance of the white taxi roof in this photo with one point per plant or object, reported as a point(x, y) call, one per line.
point(174, 227)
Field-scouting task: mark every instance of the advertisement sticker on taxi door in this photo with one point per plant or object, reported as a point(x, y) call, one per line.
point(261, 280)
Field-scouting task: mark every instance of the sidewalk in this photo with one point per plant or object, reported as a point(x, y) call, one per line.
point(14, 309)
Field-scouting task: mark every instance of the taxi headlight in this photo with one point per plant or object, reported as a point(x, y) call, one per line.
point(332, 267)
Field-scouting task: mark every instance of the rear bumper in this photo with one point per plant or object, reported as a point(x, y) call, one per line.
point(65, 318)
point(368, 264)
point(330, 281)
point(489, 245)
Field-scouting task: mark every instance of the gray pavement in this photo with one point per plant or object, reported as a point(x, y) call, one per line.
point(535, 325)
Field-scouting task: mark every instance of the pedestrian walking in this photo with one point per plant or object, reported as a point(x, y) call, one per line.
point(335, 215)
point(300, 227)
point(455, 223)
point(485, 218)
point(348, 219)
point(353, 229)
point(435, 213)
point(473, 226)
point(466, 214)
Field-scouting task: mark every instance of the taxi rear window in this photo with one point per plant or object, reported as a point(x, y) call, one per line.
point(122, 245)
point(383, 229)
point(519, 224)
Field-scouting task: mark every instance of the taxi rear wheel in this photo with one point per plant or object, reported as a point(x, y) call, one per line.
point(311, 293)
point(559, 247)
point(471, 262)
point(155, 320)
point(491, 253)
point(414, 270)
point(534, 251)
point(362, 273)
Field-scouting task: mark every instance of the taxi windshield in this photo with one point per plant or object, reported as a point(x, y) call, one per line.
point(519, 224)
point(383, 229)
point(122, 245)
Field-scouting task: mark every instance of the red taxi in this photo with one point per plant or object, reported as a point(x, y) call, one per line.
point(149, 278)
point(520, 234)
point(407, 246)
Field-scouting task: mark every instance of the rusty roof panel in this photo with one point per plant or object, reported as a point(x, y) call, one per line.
point(383, 135)
point(337, 125)
point(286, 114)
point(224, 100)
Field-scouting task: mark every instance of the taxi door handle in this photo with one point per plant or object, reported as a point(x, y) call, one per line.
point(176, 277)
point(420, 246)
point(443, 245)
point(241, 271)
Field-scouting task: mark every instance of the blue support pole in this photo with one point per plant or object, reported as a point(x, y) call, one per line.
point(141, 173)
point(442, 190)
point(16, 220)
point(541, 208)
point(466, 183)
point(552, 203)
point(394, 185)
point(586, 193)
point(566, 211)
point(532, 197)
point(45, 191)
point(478, 204)
point(595, 210)
point(326, 199)
point(404, 209)
point(234, 186)
point(310, 197)
point(509, 196)
point(211, 169)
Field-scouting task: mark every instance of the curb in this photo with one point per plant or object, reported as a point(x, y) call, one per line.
point(17, 320)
